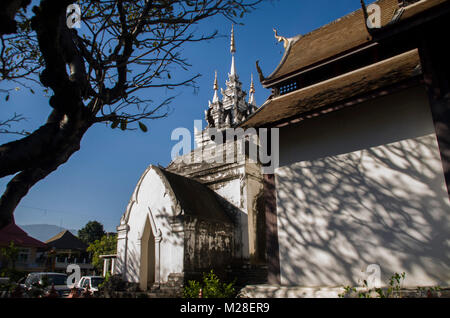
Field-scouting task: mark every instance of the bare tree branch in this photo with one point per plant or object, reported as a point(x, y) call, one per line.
point(5, 125)
point(97, 73)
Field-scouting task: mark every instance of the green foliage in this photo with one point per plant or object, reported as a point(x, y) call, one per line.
point(192, 289)
point(348, 290)
point(211, 287)
point(395, 283)
point(429, 292)
point(91, 232)
point(10, 254)
point(106, 245)
point(394, 290)
point(13, 274)
point(113, 283)
point(106, 282)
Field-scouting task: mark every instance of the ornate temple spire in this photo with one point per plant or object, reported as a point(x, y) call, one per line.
point(216, 88)
point(232, 45)
point(232, 108)
point(232, 50)
point(251, 98)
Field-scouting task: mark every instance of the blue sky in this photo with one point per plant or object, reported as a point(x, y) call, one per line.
point(97, 182)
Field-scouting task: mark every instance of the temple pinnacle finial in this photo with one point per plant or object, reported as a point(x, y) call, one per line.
point(232, 50)
point(216, 88)
point(232, 45)
point(251, 98)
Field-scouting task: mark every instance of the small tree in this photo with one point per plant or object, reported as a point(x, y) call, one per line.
point(106, 245)
point(91, 232)
point(10, 253)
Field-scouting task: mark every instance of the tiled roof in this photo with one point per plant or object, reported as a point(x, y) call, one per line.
point(340, 37)
point(336, 90)
point(13, 233)
point(66, 240)
point(196, 199)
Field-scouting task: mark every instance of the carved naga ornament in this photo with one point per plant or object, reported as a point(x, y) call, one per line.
point(281, 39)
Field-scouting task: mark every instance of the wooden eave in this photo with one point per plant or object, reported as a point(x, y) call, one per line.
point(349, 35)
point(343, 89)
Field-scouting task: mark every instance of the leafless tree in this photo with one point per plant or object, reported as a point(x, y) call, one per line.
point(95, 73)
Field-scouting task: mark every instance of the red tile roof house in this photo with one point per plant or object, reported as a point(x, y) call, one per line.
point(31, 251)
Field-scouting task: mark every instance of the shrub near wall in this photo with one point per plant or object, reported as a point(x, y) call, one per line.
point(211, 287)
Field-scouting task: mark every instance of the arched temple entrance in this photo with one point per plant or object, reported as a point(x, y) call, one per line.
point(148, 257)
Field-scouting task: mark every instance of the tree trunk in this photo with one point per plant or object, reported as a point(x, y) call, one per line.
point(36, 156)
point(54, 156)
point(23, 154)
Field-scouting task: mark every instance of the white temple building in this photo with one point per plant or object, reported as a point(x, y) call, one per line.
point(363, 180)
point(188, 219)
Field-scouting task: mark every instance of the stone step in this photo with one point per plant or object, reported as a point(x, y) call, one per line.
point(276, 291)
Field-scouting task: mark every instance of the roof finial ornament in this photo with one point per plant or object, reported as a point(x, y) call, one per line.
point(251, 99)
point(281, 39)
point(232, 50)
point(260, 73)
point(232, 44)
point(216, 88)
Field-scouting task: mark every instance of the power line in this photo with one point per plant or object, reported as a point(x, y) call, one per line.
point(45, 210)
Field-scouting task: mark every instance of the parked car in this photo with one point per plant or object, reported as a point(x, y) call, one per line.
point(46, 280)
point(90, 281)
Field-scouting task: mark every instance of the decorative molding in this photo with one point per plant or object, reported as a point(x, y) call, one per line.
point(134, 197)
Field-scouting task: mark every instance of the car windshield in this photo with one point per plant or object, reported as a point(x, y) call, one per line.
point(55, 279)
point(95, 281)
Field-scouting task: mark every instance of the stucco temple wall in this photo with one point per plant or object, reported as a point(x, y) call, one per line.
point(363, 186)
point(150, 209)
point(207, 245)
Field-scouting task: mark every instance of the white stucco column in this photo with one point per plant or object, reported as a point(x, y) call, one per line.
point(122, 247)
point(158, 239)
point(134, 266)
point(105, 266)
point(113, 265)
